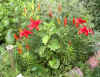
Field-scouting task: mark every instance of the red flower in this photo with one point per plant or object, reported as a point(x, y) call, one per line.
point(73, 20)
point(25, 33)
point(80, 21)
point(65, 21)
point(16, 37)
point(83, 30)
point(86, 33)
point(77, 25)
point(34, 24)
point(19, 50)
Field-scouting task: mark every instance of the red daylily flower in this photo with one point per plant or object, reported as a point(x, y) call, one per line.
point(77, 25)
point(19, 50)
point(73, 20)
point(65, 21)
point(34, 24)
point(86, 33)
point(80, 21)
point(83, 30)
point(25, 33)
point(16, 37)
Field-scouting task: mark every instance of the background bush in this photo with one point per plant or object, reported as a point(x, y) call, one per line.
point(93, 6)
point(11, 16)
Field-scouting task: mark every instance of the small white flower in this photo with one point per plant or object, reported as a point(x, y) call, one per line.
point(9, 47)
point(20, 75)
point(98, 44)
point(76, 72)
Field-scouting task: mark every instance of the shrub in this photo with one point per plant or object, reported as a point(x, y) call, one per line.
point(93, 6)
point(54, 41)
point(11, 16)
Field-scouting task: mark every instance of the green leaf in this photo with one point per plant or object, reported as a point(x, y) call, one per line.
point(54, 63)
point(42, 51)
point(52, 30)
point(45, 39)
point(48, 26)
point(54, 44)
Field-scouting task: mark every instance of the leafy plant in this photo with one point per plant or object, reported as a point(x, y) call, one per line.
point(55, 39)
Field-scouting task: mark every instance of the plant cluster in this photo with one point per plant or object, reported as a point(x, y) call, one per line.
point(55, 40)
point(50, 45)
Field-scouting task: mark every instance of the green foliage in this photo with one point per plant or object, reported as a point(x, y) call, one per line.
point(45, 39)
point(26, 61)
point(54, 49)
point(54, 44)
point(9, 37)
point(11, 16)
point(96, 14)
point(54, 63)
point(5, 65)
point(93, 6)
